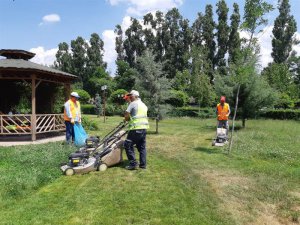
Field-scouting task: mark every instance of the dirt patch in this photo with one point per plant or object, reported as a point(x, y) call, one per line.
point(295, 194)
point(268, 215)
point(234, 190)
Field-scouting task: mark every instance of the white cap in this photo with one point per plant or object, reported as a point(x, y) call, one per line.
point(75, 94)
point(135, 93)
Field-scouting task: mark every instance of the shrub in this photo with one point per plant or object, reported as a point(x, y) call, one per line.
point(89, 124)
point(115, 110)
point(117, 96)
point(177, 98)
point(285, 102)
point(281, 114)
point(88, 109)
point(84, 96)
point(193, 112)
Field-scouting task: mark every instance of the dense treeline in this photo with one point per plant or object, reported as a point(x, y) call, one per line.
point(174, 62)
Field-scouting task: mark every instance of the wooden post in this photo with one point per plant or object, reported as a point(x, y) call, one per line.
point(104, 103)
point(1, 124)
point(33, 108)
point(67, 91)
point(156, 120)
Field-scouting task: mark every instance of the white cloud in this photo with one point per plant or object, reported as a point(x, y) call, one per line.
point(110, 54)
point(51, 18)
point(297, 47)
point(44, 57)
point(126, 22)
point(140, 7)
point(265, 42)
point(116, 2)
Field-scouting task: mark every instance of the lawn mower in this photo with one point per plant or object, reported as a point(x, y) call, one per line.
point(97, 154)
point(221, 137)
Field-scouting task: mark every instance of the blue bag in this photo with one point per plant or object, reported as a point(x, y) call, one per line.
point(80, 135)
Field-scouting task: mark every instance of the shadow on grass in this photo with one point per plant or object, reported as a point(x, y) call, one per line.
point(209, 139)
point(122, 164)
point(215, 150)
point(150, 132)
point(211, 127)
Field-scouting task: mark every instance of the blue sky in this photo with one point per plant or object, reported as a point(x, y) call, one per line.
point(40, 25)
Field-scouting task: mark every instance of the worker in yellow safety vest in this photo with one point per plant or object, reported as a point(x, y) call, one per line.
point(223, 112)
point(136, 115)
point(72, 115)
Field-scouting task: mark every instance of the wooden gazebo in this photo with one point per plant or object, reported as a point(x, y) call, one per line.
point(16, 68)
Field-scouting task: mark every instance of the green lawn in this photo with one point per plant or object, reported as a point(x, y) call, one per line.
point(187, 181)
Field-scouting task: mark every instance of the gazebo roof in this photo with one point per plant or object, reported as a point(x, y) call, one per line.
point(16, 54)
point(17, 64)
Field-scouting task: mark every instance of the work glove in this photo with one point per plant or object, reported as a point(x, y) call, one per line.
point(72, 121)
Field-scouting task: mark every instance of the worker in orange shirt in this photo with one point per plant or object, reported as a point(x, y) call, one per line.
point(223, 112)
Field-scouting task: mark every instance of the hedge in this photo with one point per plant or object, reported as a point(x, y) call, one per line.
point(281, 114)
point(193, 112)
point(115, 110)
point(110, 109)
point(88, 109)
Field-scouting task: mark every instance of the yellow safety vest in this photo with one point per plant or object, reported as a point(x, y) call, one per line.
point(223, 111)
point(140, 120)
point(74, 108)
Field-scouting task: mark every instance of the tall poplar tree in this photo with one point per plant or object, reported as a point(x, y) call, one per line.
point(284, 29)
point(134, 42)
point(197, 30)
point(222, 35)
point(172, 36)
point(159, 47)
point(79, 59)
point(63, 58)
point(234, 42)
point(208, 37)
point(95, 53)
point(119, 43)
point(150, 24)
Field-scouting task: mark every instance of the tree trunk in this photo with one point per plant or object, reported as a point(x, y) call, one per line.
point(244, 122)
point(156, 120)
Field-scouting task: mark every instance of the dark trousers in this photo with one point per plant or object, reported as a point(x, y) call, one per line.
point(70, 135)
point(138, 138)
point(223, 124)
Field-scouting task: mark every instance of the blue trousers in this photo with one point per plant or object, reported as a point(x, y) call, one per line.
point(70, 135)
point(138, 138)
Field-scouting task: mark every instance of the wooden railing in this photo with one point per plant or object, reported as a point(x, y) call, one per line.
point(21, 124)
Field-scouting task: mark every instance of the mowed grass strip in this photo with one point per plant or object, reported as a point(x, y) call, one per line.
point(188, 181)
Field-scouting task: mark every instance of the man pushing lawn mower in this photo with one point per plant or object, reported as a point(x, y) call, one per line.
point(136, 115)
point(223, 112)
